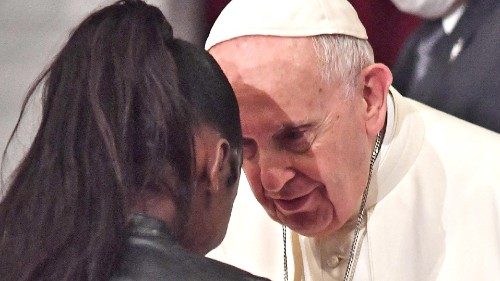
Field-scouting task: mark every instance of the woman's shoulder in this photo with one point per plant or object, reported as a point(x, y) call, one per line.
point(155, 256)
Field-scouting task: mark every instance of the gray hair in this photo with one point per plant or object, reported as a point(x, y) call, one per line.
point(342, 58)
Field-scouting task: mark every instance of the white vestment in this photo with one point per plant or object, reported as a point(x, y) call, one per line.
point(433, 208)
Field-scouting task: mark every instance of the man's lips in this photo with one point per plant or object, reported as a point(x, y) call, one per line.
point(290, 206)
point(292, 192)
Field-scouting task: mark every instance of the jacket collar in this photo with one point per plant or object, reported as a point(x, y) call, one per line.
point(141, 224)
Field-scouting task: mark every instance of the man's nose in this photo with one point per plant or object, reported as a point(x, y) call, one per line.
point(276, 170)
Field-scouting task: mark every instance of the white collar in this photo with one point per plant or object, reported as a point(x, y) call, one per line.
point(389, 128)
point(401, 145)
point(384, 148)
point(449, 22)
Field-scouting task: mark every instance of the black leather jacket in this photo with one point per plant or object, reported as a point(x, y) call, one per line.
point(151, 254)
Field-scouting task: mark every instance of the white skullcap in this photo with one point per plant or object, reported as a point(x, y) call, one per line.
point(289, 18)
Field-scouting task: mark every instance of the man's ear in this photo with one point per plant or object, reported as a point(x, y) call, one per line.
point(220, 168)
point(377, 79)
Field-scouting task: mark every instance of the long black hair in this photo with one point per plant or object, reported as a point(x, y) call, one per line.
point(115, 125)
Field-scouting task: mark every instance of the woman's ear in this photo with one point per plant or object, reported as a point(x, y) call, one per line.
point(220, 166)
point(376, 80)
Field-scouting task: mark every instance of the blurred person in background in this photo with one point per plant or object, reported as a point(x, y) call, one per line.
point(133, 172)
point(386, 26)
point(452, 62)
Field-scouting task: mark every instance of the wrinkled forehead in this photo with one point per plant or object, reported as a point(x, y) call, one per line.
point(275, 65)
point(277, 81)
point(267, 61)
point(238, 55)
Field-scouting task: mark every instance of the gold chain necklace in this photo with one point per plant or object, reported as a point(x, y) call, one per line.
point(349, 274)
point(285, 259)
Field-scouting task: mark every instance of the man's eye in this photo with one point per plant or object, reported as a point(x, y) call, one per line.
point(295, 135)
point(296, 141)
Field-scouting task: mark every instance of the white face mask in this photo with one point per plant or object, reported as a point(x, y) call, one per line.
point(429, 9)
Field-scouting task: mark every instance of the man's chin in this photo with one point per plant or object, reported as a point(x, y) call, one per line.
point(309, 225)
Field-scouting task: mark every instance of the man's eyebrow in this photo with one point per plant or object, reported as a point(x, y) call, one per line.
point(303, 124)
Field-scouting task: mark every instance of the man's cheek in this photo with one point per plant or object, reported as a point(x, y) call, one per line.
point(255, 185)
point(258, 192)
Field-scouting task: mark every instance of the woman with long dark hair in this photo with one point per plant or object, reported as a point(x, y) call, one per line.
point(134, 168)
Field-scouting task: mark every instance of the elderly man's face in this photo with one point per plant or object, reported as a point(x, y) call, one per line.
point(306, 150)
